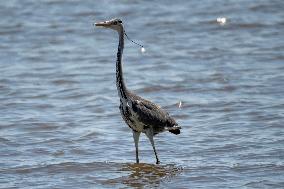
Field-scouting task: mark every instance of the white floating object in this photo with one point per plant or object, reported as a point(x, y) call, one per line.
point(180, 104)
point(143, 49)
point(222, 20)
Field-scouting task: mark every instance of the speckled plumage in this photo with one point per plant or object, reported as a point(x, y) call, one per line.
point(147, 114)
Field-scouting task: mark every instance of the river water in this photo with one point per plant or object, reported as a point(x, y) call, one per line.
point(60, 125)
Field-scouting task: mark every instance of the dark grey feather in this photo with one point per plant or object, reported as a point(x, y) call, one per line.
point(152, 115)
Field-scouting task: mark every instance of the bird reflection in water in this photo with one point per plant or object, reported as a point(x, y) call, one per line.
point(143, 174)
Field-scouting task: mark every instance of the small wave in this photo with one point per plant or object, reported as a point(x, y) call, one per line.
point(64, 82)
point(41, 127)
point(263, 184)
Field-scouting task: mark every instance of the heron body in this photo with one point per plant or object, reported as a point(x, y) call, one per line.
point(141, 115)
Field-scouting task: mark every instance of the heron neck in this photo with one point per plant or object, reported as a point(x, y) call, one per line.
point(121, 88)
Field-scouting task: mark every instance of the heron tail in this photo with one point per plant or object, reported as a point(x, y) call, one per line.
point(175, 129)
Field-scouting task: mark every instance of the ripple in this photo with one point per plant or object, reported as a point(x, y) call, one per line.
point(64, 82)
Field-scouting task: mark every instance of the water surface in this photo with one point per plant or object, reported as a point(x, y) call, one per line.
point(60, 125)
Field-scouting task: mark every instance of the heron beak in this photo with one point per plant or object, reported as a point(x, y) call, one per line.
point(104, 24)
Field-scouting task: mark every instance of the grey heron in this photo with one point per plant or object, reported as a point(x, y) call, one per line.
point(141, 115)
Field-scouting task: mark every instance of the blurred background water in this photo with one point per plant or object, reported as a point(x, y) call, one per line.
point(60, 125)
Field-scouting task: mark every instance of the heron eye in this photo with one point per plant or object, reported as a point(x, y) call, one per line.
point(120, 21)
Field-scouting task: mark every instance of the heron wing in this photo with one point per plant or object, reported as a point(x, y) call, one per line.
point(151, 114)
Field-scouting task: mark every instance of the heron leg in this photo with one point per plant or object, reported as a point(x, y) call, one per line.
point(150, 135)
point(136, 140)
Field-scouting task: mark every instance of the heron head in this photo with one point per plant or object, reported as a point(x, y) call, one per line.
point(115, 24)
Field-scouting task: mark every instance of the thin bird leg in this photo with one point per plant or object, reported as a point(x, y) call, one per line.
point(150, 135)
point(136, 140)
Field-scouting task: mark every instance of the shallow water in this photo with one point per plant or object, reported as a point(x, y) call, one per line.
point(60, 125)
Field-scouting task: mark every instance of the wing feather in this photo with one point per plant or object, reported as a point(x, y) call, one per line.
point(151, 114)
